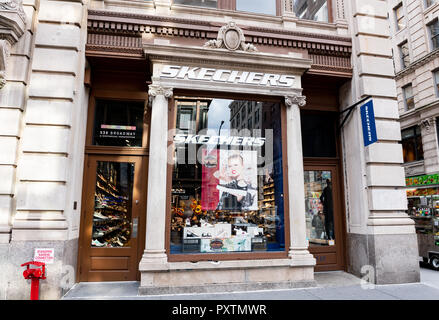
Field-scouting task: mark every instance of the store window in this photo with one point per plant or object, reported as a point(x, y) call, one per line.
point(411, 140)
point(319, 208)
point(118, 123)
point(404, 54)
point(409, 99)
point(112, 210)
point(316, 10)
point(227, 184)
point(434, 34)
point(318, 135)
point(399, 17)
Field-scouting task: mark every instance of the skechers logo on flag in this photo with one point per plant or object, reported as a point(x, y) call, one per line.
point(368, 121)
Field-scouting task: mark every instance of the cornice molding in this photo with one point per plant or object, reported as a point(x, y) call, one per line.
point(121, 33)
point(103, 20)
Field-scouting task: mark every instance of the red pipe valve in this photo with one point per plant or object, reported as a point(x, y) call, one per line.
point(34, 274)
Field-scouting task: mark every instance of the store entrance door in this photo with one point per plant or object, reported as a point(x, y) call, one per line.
point(113, 218)
point(324, 218)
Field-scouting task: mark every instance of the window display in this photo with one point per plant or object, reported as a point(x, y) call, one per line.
point(112, 211)
point(227, 183)
point(319, 208)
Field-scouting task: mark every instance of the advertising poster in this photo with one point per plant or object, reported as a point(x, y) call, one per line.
point(229, 180)
point(237, 180)
point(209, 192)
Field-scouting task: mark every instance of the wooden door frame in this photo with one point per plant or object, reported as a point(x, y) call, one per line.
point(108, 151)
point(333, 164)
point(89, 177)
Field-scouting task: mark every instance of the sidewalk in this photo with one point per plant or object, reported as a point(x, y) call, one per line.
point(336, 285)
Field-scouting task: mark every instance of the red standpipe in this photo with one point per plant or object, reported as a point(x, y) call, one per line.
point(34, 274)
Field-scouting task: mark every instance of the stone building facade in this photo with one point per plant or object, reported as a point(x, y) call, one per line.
point(64, 60)
point(418, 20)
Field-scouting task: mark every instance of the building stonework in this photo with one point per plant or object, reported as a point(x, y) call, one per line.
point(72, 54)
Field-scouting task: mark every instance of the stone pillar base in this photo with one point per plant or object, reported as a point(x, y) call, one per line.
point(384, 258)
point(224, 276)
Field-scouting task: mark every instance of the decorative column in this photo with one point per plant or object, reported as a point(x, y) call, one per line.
point(155, 253)
point(298, 252)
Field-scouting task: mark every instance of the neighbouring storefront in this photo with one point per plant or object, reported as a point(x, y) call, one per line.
point(423, 208)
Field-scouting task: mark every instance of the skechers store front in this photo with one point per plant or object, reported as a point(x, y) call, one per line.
point(230, 210)
point(226, 189)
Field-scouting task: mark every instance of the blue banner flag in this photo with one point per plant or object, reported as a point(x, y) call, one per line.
point(368, 121)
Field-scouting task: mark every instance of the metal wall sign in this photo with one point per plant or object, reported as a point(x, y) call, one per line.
point(368, 122)
point(227, 76)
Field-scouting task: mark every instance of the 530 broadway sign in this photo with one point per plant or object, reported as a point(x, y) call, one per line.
point(227, 76)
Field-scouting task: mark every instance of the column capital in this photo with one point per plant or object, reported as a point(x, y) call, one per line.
point(295, 99)
point(158, 90)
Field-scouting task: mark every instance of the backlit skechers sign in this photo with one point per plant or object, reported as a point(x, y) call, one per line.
point(219, 140)
point(227, 76)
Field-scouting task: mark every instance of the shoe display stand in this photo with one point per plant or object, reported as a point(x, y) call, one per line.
point(111, 221)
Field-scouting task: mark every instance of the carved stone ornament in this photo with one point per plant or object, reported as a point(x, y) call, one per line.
point(426, 123)
point(157, 90)
point(232, 38)
point(295, 100)
point(13, 5)
point(4, 56)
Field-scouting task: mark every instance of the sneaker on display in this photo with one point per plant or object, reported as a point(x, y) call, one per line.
point(96, 243)
point(99, 215)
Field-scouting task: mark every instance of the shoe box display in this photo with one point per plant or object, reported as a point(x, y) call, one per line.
point(111, 218)
point(224, 237)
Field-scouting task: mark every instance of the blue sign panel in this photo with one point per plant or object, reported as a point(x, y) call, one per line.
point(368, 121)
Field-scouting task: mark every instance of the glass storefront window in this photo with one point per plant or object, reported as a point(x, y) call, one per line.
point(319, 208)
point(198, 3)
point(227, 183)
point(112, 211)
point(316, 10)
point(257, 6)
point(118, 123)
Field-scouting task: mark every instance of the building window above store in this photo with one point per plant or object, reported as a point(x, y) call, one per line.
point(227, 184)
point(411, 141)
point(434, 34)
point(436, 81)
point(316, 10)
point(429, 3)
point(399, 17)
point(404, 54)
point(269, 7)
point(409, 100)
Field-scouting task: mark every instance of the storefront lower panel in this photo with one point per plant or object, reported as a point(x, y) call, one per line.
point(220, 276)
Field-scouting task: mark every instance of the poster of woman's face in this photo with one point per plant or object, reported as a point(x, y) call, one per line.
point(230, 182)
